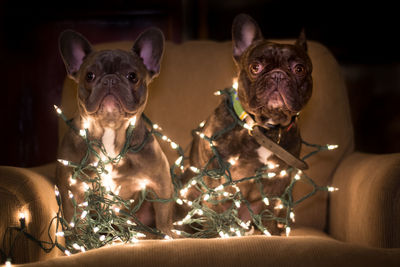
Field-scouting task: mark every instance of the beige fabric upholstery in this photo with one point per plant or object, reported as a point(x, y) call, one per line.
point(244, 251)
point(22, 190)
point(364, 211)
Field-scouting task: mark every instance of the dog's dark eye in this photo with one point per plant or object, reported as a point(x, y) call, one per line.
point(299, 69)
point(256, 68)
point(90, 76)
point(132, 77)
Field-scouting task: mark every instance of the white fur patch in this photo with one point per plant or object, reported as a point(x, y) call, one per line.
point(108, 140)
point(263, 154)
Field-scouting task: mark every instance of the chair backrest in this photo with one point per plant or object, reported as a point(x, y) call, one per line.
point(182, 96)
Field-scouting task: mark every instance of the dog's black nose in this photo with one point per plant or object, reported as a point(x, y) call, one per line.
point(277, 75)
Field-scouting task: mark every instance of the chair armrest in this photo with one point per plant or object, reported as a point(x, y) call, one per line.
point(23, 190)
point(366, 209)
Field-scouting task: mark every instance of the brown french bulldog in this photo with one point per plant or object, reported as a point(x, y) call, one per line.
point(112, 91)
point(274, 84)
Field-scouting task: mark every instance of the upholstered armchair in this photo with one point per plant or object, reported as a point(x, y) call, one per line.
point(358, 225)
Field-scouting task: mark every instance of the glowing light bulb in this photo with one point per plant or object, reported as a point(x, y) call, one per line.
point(194, 169)
point(219, 188)
point(167, 237)
point(233, 160)
point(266, 201)
point(200, 212)
point(83, 215)
point(102, 238)
point(292, 215)
point(206, 197)
point(183, 191)
point(178, 223)
point(243, 225)
point(235, 84)
point(271, 175)
point(58, 110)
point(70, 194)
point(155, 126)
point(60, 234)
point(63, 162)
point(332, 189)
point(266, 232)
point(332, 147)
point(67, 252)
point(86, 124)
point(134, 240)
point(217, 93)
point(174, 145)
point(22, 215)
point(201, 125)
point(179, 160)
point(8, 263)
point(288, 231)
point(82, 133)
point(143, 184)
point(140, 235)
point(132, 121)
point(176, 232)
point(179, 201)
point(72, 181)
point(237, 203)
point(283, 173)
point(270, 165)
point(56, 191)
point(117, 209)
point(76, 246)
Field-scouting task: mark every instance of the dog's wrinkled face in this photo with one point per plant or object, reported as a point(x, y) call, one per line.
point(274, 79)
point(112, 84)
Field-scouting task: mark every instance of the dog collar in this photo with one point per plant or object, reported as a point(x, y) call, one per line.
point(237, 107)
point(261, 138)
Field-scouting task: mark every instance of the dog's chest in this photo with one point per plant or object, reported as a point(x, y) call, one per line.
point(263, 154)
point(108, 140)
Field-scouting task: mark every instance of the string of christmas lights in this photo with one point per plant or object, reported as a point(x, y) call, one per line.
point(104, 218)
point(207, 222)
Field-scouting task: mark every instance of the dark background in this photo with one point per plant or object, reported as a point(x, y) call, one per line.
point(362, 36)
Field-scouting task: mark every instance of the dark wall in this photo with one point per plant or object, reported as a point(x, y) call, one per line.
point(362, 37)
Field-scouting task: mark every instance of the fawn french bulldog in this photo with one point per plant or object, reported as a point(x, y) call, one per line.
point(112, 91)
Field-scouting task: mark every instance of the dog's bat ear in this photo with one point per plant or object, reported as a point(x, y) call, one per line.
point(245, 31)
point(149, 46)
point(73, 48)
point(302, 41)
